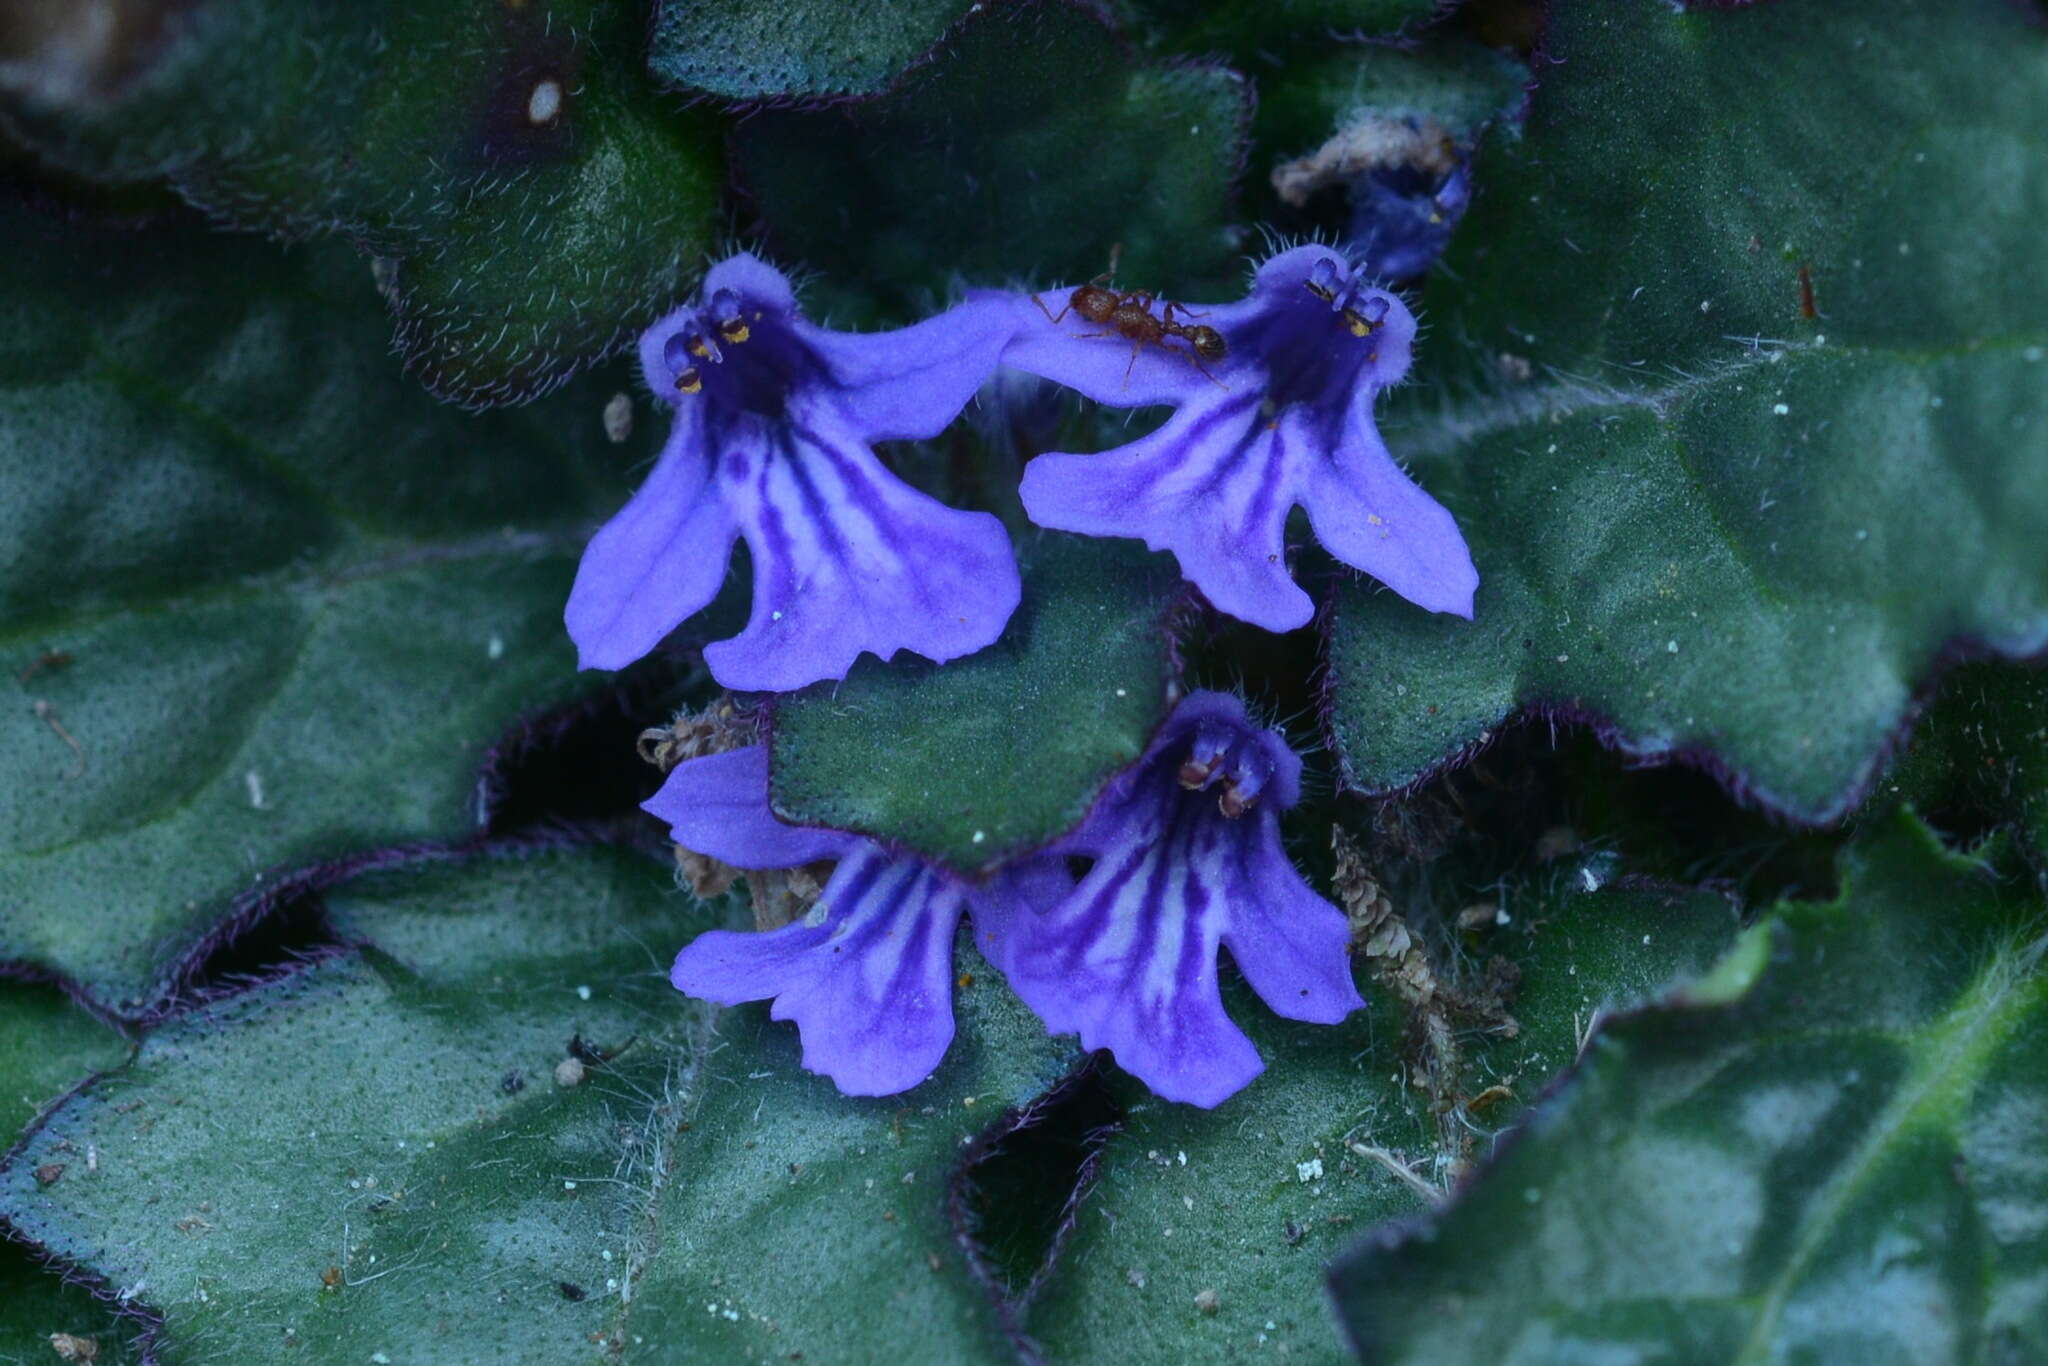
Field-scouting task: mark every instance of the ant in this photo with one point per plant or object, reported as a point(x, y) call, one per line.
point(1130, 316)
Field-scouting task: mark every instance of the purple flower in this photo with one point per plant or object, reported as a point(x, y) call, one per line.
point(1283, 417)
point(868, 975)
point(1187, 856)
point(1402, 216)
point(773, 442)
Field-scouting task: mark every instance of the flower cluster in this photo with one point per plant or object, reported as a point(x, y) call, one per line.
point(773, 444)
point(1186, 858)
point(1112, 932)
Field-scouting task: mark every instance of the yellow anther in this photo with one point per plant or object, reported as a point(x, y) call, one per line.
point(734, 330)
point(699, 348)
point(1359, 326)
point(689, 381)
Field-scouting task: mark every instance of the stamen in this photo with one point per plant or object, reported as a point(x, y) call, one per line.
point(688, 380)
point(725, 307)
point(1324, 280)
point(1366, 318)
point(688, 343)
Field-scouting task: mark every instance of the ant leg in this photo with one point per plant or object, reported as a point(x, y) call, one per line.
point(1049, 313)
point(1184, 311)
point(1136, 347)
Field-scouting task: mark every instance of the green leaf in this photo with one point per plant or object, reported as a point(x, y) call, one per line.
point(1827, 1149)
point(47, 1044)
point(1029, 147)
point(264, 602)
point(35, 1303)
point(783, 1183)
point(743, 51)
point(534, 197)
point(394, 1113)
point(1696, 522)
point(1460, 84)
point(1246, 1201)
point(1250, 30)
point(1981, 751)
point(1581, 956)
point(1001, 751)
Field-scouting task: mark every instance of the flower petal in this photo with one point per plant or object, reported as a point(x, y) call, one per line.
point(1128, 961)
point(1290, 944)
point(1372, 516)
point(848, 558)
point(1214, 485)
point(868, 982)
point(659, 561)
point(908, 384)
point(1093, 360)
point(717, 805)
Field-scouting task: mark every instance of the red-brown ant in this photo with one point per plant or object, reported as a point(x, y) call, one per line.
point(1130, 316)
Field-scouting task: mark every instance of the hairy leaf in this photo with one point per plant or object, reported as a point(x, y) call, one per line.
point(1825, 1148)
point(263, 602)
point(1580, 956)
point(745, 51)
point(1206, 1230)
point(47, 1044)
point(385, 1141)
point(532, 199)
point(781, 1182)
point(1711, 524)
point(374, 1153)
point(1981, 751)
point(1030, 146)
point(36, 1305)
point(1005, 749)
point(1250, 31)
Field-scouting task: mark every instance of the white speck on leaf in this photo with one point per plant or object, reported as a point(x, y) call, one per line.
point(545, 103)
point(618, 418)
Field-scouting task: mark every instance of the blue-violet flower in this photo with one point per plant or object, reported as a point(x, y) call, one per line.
point(1402, 217)
point(1285, 416)
point(867, 974)
point(1187, 856)
point(773, 443)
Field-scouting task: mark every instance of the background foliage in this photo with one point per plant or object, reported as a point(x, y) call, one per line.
point(1698, 878)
